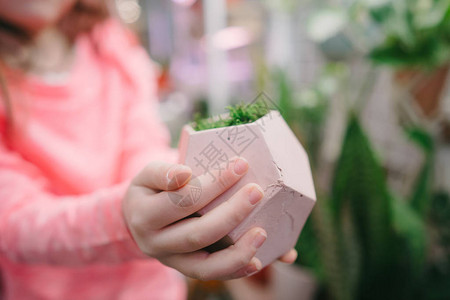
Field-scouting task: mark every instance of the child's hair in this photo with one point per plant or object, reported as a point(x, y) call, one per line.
point(81, 19)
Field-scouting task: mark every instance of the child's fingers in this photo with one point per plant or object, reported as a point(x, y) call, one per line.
point(233, 262)
point(167, 207)
point(253, 267)
point(162, 176)
point(289, 257)
point(197, 233)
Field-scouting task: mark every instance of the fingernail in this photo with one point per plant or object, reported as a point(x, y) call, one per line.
point(240, 166)
point(254, 267)
point(178, 175)
point(256, 194)
point(259, 239)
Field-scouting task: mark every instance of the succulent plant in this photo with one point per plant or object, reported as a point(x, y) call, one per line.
point(239, 114)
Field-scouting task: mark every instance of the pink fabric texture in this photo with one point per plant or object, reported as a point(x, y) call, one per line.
point(64, 171)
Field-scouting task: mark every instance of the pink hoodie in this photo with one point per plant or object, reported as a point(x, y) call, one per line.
point(64, 173)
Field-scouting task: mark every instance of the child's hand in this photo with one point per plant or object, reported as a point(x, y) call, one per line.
point(151, 210)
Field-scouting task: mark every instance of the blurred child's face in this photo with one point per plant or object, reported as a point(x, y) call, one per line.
point(33, 15)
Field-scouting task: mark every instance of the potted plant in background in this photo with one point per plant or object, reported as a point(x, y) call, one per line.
point(363, 241)
point(410, 36)
point(417, 44)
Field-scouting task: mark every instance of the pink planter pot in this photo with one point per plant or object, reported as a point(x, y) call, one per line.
point(278, 163)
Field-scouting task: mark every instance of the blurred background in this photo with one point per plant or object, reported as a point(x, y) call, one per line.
point(364, 84)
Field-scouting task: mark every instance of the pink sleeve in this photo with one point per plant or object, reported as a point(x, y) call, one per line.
point(38, 227)
point(146, 138)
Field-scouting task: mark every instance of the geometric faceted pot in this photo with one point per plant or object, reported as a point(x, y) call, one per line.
point(278, 163)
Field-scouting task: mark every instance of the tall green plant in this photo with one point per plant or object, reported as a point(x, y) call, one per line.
point(360, 188)
point(420, 198)
point(363, 241)
point(372, 244)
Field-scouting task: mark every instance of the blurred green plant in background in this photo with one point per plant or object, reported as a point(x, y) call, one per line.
point(362, 240)
point(416, 32)
point(400, 33)
point(305, 111)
